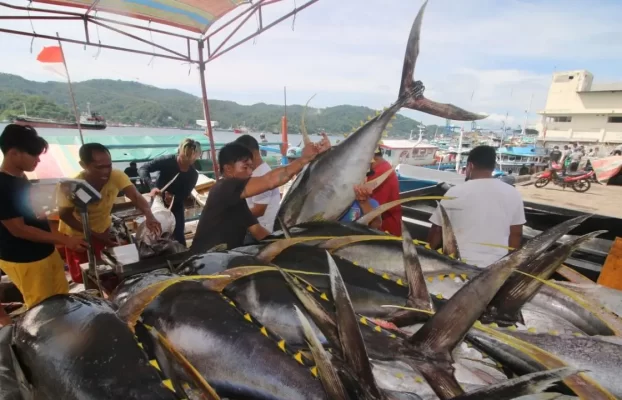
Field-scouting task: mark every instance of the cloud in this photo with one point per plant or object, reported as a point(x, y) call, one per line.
point(478, 54)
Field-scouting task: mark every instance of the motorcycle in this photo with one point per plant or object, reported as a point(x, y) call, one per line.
point(579, 181)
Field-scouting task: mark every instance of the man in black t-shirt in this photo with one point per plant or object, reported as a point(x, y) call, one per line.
point(226, 217)
point(555, 155)
point(27, 252)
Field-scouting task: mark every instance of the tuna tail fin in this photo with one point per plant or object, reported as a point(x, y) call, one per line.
point(303, 129)
point(194, 376)
point(328, 374)
point(533, 383)
point(271, 251)
point(520, 288)
point(411, 92)
point(418, 295)
point(450, 243)
point(442, 333)
point(352, 344)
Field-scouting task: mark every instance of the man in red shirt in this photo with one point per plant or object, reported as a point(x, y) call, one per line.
point(388, 191)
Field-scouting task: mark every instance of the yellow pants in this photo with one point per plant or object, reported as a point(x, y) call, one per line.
point(38, 280)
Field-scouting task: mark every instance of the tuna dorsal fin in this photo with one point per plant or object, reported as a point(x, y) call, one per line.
point(285, 229)
point(447, 327)
point(367, 218)
point(303, 129)
point(533, 383)
point(268, 253)
point(191, 372)
point(352, 344)
point(131, 310)
point(324, 320)
point(418, 295)
point(520, 288)
point(450, 243)
point(328, 374)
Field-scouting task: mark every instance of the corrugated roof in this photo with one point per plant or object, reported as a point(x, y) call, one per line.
point(192, 15)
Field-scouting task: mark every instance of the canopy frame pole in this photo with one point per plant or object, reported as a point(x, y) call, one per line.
point(208, 120)
point(296, 10)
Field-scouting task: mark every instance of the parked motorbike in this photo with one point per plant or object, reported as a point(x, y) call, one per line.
point(579, 181)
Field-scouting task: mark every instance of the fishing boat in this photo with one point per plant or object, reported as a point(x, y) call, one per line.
point(88, 120)
point(512, 158)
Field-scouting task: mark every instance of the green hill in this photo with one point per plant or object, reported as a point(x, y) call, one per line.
point(131, 102)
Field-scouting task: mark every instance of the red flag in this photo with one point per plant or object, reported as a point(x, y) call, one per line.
point(52, 54)
point(52, 60)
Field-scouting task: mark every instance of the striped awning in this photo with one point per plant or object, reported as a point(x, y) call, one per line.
point(192, 15)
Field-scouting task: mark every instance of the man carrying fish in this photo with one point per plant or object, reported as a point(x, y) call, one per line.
point(96, 162)
point(27, 245)
point(179, 169)
point(484, 212)
point(388, 191)
point(226, 217)
point(265, 205)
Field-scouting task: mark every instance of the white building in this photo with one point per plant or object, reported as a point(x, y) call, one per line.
point(579, 111)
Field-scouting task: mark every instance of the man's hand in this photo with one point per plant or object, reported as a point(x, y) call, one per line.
point(75, 243)
point(362, 192)
point(104, 238)
point(154, 192)
point(168, 198)
point(311, 150)
point(153, 224)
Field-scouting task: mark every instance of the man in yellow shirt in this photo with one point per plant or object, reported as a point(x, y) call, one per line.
point(96, 161)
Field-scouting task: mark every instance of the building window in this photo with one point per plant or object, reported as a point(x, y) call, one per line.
point(559, 119)
point(615, 120)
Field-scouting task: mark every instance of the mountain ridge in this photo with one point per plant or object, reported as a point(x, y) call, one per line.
point(131, 102)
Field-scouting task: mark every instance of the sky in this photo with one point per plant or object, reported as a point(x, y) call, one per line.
point(493, 57)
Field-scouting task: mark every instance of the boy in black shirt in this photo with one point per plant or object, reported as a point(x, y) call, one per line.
point(226, 217)
point(27, 252)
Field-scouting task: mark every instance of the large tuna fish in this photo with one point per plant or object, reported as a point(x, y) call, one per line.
point(73, 347)
point(236, 355)
point(325, 188)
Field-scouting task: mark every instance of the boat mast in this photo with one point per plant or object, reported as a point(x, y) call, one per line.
point(527, 115)
point(73, 99)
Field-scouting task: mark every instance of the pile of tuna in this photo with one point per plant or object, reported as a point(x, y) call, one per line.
point(329, 310)
point(361, 316)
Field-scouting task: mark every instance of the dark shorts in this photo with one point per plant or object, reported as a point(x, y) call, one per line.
point(573, 166)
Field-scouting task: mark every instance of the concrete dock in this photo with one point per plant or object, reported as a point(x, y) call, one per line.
point(600, 199)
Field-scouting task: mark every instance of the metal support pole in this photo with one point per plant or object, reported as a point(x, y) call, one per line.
point(90, 252)
point(208, 120)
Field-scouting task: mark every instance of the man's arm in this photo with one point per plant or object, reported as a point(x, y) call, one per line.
point(66, 209)
point(138, 200)
point(152, 166)
point(258, 210)
point(435, 236)
point(258, 232)
point(18, 228)
point(273, 179)
point(280, 176)
point(516, 236)
point(66, 215)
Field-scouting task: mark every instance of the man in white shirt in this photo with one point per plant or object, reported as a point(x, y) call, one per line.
point(486, 211)
point(264, 206)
